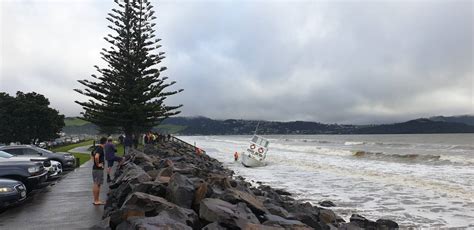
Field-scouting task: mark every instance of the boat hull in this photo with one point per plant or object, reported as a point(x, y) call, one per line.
point(251, 162)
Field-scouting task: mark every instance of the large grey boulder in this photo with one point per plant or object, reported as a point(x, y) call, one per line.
point(349, 226)
point(150, 187)
point(276, 210)
point(384, 224)
point(274, 220)
point(152, 223)
point(247, 226)
point(131, 173)
point(214, 226)
point(153, 205)
point(215, 210)
point(329, 217)
point(363, 222)
point(180, 190)
point(235, 196)
point(327, 203)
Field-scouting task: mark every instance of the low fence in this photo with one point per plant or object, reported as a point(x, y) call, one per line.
point(175, 139)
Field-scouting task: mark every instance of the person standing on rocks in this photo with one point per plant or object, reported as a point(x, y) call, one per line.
point(110, 157)
point(98, 170)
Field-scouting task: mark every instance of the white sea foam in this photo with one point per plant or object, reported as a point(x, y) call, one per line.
point(354, 143)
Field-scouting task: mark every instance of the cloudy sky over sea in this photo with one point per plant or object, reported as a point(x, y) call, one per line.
point(329, 61)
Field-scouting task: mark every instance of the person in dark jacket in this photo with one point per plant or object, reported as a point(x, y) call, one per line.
point(110, 157)
point(127, 143)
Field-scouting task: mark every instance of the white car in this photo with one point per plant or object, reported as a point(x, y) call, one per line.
point(55, 169)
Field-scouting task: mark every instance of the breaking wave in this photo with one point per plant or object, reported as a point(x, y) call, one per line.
point(418, 158)
point(354, 143)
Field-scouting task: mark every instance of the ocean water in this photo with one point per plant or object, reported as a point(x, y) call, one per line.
point(420, 181)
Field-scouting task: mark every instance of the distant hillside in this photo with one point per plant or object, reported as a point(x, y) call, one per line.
point(417, 126)
point(465, 119)
point(74, 121)
point(207, 126)
point(75, 125)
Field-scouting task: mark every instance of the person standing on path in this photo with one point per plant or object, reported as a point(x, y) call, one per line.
point(110, 157)
point(98, 170)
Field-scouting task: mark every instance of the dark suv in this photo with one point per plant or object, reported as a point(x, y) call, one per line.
point(30, 173)
point(66, 159)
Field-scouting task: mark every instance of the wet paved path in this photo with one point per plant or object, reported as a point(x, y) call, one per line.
point(65, 205)
point(81, 149)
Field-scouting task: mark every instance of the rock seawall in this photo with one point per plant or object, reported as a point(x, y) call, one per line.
point(169, 186)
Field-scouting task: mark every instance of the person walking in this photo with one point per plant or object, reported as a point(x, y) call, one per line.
point(110, 157)
point(97, 156)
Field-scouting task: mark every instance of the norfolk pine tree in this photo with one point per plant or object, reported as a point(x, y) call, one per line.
point(129, 94)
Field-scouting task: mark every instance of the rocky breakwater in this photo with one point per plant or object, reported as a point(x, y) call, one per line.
point(169, 186)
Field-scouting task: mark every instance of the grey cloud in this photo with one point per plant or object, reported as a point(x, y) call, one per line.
point(323, 61)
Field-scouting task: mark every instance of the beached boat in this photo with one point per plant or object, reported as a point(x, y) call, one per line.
point(256, 152)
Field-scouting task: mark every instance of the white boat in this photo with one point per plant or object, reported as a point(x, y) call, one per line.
point(256, 152)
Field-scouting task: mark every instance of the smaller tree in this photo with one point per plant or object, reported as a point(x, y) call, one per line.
point(27, 118)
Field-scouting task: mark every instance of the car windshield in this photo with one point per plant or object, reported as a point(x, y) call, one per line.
point(43, 150)
point(5, 154)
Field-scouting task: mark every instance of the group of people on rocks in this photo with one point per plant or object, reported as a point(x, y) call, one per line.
point(104, 156)
point(128, 141)
point(154, 137)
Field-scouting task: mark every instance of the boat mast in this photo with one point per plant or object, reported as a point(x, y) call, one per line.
point(256, 128)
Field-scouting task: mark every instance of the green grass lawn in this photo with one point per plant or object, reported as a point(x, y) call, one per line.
point(119, 150)
point(83, 158)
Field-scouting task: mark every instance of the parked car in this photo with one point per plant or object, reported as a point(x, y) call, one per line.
point(54, 168)
point(30, 173)
point(66, 159)
point(11, 192)
point(42, 145)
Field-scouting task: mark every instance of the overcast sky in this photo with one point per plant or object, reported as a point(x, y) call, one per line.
point(328, 61)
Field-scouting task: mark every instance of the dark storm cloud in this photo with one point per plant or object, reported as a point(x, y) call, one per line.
point(346, 62)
